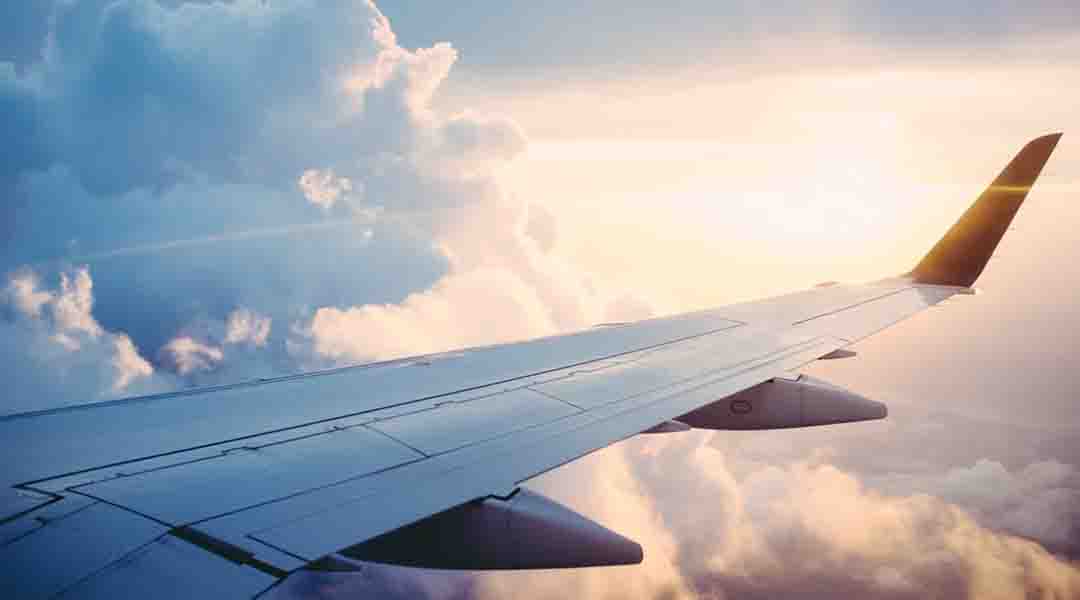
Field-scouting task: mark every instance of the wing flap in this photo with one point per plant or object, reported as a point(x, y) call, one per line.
point(168, 568)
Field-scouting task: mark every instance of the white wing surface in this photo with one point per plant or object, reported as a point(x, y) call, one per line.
point(220, 492)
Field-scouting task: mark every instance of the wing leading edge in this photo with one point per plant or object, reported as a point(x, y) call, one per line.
point(227, 490)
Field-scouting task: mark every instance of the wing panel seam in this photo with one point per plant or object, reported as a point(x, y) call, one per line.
point(395, 439)
point(851, 306)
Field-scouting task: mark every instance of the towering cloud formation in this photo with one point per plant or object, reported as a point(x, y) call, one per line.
point(279, 158)
point(201, 192)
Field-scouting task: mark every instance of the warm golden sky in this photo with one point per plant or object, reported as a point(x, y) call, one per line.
point(778, 179)
point(823, 159)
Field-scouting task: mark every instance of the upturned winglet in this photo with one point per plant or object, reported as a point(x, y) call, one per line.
point(960, 257)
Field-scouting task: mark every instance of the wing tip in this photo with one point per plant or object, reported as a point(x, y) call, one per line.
point(961, 255)
point(1039, 149)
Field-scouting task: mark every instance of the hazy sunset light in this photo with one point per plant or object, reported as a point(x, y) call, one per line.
point(199, 193)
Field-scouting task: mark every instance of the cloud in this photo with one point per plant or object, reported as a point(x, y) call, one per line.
point(214, 180)
point(434, 320)
point(205, 346)
point(542, 227)
point(1040, 501)
point(247, 327)
point(210, 351)
point(56, 352)
point(23, 44)
point(185, 355)
point(815, 523)
point(187, 148)
point(156, 141)
point(322, 188)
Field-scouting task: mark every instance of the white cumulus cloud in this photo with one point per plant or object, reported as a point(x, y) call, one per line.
point(56, 352)
point(323, 188)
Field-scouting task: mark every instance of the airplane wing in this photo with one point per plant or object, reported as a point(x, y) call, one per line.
point(223, 491)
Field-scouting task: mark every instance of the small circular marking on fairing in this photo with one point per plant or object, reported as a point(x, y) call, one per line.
point(741, 407)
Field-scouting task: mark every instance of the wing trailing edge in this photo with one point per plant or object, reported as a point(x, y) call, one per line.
point(961, 255)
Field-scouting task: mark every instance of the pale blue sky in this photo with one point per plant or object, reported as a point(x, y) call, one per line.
point(620, 35)
point(507, 36)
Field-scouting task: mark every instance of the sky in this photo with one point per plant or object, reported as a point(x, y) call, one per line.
point(198, 192)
